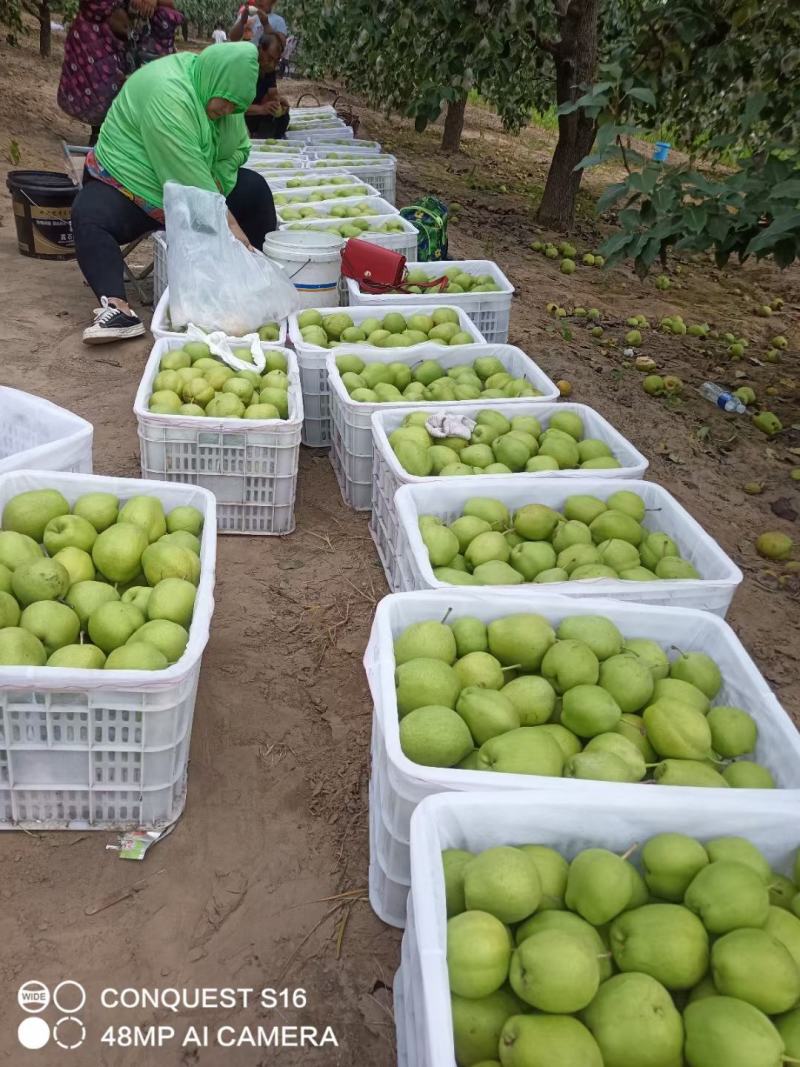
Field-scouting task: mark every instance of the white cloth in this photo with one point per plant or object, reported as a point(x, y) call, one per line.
point(219, 36)
point(446, 424)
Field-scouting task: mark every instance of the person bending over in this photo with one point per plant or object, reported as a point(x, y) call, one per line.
point(177, 119)
point(268, 115)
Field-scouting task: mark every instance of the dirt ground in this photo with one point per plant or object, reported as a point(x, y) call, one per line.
point(276, 820)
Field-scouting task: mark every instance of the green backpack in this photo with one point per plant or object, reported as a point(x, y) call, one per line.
point(429, 216)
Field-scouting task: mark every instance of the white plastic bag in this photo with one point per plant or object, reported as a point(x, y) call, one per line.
point(214, 281)
point(223, 346)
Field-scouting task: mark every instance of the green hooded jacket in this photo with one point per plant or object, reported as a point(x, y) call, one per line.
point(157, 129)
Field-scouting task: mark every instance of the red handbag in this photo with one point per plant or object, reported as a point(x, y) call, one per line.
point(378, 269)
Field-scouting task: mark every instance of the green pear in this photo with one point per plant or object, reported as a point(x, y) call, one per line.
point(141, 656)
point(695, 773)
point(583, 507)
point(785, 926)
point(434, 736)
point(495, 572)
point(470, 761)
point(637, 574)
point(742, 851)
point(651, 654)
point(632, 728)
point(53, 623)
point(599, 633)
point(530, 558)
point(511, 537)
point(552, 574)
point(727, 895)
point(782, 890)
point(504, 882)
point(533, 698)
point(470, 635)
point(733, 731)
point(78, 657)
point(697, 669)
point(566, 922)
point(598, 885)
point(478, 954)
point(536, 522)
point(618, 554)
point(676, 731)
point(628, 681)
point(577, 556)
point(441, 543)
point(590, 570)
point(168, 637)
point(112, 623)
point(423, 682)
point(788, 1026)
point(477, 455)
point(521, 640)
point(670, 862)
point(631, 503)
point(146, 512)
point(441, 457)
point(655, 547)
point(19, 647)
point(555, 971)
point(754, 966)
point(186, 518)
point(640, 895)
point(117, 552)
point(683, 692)
point(747, 775)
point(481, 670)
point(526, 750)
point(588, 710)
point(531, 1040)
point(616, 525)
point(486, 712)
point(466, 528)
point(623, 749)
point(477, 1024)
point(9, 611)
point(635, 1023)
point(432, 640)
point(486, 547)
point(568, 422)
point(41, 579)
point(703, 989)
point(527, 424)
point(84, 597)
point(569, 663)
point(6, 572)
point(173, 599)
point(493, 418)
point(566, 740)
point(676, 569)
point(28, 513)
point(724, 1030)
point(454, 861)
point(553, 870)
point(571, 533)
point(454, 576)
point(666, 941)
point(413, 458)
point(597, 767)
point(100, 509)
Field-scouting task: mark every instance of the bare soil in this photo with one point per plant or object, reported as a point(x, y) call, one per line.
point(245, 892)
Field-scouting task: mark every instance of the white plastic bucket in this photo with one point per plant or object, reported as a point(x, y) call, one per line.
point(313, 261)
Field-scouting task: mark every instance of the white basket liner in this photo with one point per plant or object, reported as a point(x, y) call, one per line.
point(38, 435)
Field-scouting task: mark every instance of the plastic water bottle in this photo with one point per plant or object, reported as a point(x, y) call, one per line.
point(722, 398)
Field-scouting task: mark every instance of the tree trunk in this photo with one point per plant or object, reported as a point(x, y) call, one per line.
point(453, 125)
point(45, 32)
point(576, 61)
point(185, 29)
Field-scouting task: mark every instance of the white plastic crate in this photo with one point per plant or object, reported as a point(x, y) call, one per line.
point(161, 327)
point(159, 266)
point(383, 208)
point(490, 312)
point(329, 192)
point(401, 784)
point(380, 171)
point(314, 370)
point(279, 181)
point(38, 435)
point(322, 148)
point(249, 465)
point(261, 144)
point(477, 822)
point(713, 592)
point(389, 475)
point(352, 421)
point(404, 242)
point(312, 134)
point(94, 749)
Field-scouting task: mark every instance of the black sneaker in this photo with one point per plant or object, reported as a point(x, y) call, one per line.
point(112, 324)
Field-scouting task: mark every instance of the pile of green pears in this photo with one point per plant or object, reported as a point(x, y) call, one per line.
point(307, 182)
point(578, 701)
point(338, 211)
point(691, 957)
point(589, 538)
point(499, 445)
point(290, 199)
point(458, 280)
point(355, 227)
point(102, 583)
point(386, 383)
point(441, 327)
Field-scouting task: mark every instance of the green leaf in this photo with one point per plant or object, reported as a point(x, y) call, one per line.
point(789, 190)
point(776, 229)
point(647, 96)
point(610, 195)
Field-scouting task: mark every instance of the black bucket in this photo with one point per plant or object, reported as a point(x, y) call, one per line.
point(42, 207)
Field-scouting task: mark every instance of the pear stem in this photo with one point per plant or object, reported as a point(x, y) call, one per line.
point(513, 667)
point(447, 615)
point(678, 649)
point(605, 955)
point(630, 852)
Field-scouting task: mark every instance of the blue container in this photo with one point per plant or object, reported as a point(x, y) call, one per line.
point(661, 151)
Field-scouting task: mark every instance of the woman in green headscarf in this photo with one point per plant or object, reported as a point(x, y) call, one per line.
point(178, 119)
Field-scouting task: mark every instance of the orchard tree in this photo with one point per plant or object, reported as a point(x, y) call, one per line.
point(724, 76)
point(205, 14)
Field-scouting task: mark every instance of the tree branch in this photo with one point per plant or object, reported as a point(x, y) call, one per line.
point(553, 47)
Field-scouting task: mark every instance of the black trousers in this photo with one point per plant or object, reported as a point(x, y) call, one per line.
point(269, 127)
point(103, 219)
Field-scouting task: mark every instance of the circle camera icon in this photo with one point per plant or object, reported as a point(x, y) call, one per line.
point(69, 997)
point(69, 1033)
point(33, 996)
point(33, 1033)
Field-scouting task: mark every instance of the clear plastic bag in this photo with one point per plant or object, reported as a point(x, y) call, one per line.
point(214, 281)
